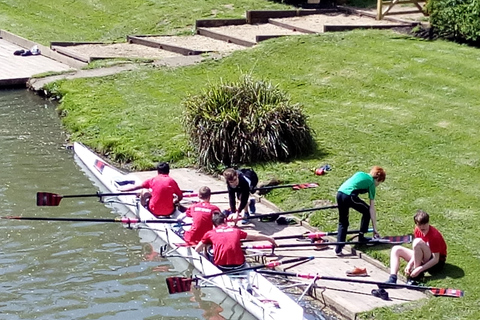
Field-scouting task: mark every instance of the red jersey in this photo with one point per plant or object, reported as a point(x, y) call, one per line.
point(434, 240)
point(227, 248)
point(163, 188)
point(202, 220)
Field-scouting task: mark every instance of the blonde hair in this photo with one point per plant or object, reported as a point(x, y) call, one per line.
point(378, 173)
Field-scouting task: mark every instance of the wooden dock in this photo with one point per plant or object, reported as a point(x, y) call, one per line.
point(345, 299)
point(16, 70)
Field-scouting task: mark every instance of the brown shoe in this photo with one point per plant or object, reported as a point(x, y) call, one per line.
point(357, 272)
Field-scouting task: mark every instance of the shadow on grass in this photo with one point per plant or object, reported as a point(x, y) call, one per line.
point(449, 270)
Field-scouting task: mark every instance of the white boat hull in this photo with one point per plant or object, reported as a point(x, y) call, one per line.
point(267, 301)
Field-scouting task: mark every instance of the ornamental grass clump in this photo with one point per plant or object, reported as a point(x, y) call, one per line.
point(245, 122)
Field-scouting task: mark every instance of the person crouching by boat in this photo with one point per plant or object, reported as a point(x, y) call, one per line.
point(226, 242)
point(164, 192)
point(428, 253)
point(347, 197)
point(240, 183)
point(201, 213)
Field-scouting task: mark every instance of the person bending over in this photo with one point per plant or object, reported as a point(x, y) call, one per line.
point(226, 242)
point(240, 183)
point(428, 253)
point(201, 213)
point(164, 191)
point(347, 197)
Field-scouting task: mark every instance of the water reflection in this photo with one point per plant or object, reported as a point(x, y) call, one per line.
point(76, 270)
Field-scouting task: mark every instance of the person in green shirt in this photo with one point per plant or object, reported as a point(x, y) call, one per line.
point(347, 197)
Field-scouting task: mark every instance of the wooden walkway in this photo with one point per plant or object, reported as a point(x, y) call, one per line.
point(16, 70)
point(345, 299)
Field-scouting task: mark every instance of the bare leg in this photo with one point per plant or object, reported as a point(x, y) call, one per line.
point(421, 252)
point(397, 253)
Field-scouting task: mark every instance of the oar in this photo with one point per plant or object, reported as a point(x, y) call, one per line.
point(53, 199)
point(391, 240)
point(312, 235)
point(182, 284)
point(296, 186)
point(290, 212)
point(435, 291)
point(120, 220)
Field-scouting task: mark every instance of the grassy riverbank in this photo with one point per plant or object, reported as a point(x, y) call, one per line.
point(44, 21)
point(374, 98)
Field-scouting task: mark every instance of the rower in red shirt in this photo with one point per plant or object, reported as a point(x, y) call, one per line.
point(226, 242)
point(164, 191)
point(201, 213)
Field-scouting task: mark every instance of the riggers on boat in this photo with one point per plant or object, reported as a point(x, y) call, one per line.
point(256, 294)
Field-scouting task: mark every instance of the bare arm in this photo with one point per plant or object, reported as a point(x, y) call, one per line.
point(373, 217)
point(200, 246)
point(261, 237)
point(130, 188)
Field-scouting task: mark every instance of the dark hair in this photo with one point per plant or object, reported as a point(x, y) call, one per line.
point(421, 217)
point(204, 193)
point(218, 218)
point(230, 174)
point(163, 168)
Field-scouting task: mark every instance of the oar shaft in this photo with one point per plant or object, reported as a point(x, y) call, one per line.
point(267, 265)
point(307, 185)
point(435, 291)
point(308, 244)
point(98, 194)
point(291, 212)
point(311, 276)
point(118, 220)
point(311, 235)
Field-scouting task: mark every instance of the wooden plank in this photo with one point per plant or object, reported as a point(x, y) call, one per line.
point(163, 46)
point(223, 37)
point(290, 26)
point(262, 16)
point(209, 23)
point(72, 54)
point(336, 28)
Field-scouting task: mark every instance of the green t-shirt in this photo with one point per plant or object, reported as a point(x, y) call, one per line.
point(360, 182)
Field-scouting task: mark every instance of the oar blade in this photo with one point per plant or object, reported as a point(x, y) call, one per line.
point(178, 284)
point(48, 199)
point(304, 186)
point(447, 292)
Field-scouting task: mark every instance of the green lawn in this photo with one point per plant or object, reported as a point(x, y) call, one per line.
point(373, 97)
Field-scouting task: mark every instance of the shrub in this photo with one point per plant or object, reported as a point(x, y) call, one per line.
point(458, 20)
point(244, 122)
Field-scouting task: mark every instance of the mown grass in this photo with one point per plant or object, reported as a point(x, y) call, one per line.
point(44, 21)
point(374, 98)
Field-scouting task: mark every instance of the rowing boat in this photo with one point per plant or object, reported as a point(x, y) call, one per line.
point(251, 290)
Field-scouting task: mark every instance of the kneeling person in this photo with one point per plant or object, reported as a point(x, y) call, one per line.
point(226, 242)
point(201, 213)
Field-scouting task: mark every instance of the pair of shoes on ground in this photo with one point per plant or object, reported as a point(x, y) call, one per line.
point(357, 272)
point(380, 293)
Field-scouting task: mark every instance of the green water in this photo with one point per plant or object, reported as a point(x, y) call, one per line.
point(66, 270)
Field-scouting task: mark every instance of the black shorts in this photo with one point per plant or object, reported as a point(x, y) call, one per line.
point(436, 268)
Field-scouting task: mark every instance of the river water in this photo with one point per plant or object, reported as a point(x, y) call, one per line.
point(77, 270)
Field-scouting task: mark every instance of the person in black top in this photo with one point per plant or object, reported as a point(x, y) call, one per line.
point(240, 184)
